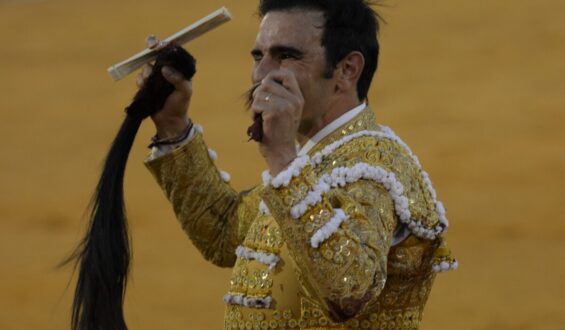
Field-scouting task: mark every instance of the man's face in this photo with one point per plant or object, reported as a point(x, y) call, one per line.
point(292, 40)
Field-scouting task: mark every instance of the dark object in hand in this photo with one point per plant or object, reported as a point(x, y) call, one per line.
point(255, 131)
point(103, 257)
point(152, 95)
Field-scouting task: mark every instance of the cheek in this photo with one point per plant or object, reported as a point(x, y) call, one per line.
point(295, 69)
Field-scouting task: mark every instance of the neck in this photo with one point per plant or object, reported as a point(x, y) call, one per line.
point(309, 128)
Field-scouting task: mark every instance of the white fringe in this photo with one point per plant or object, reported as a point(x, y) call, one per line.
point(341, 176)
point(268, 259)
point(284, 177)
point(388, 133)
point(199, 128)
point(313, 197)
point(266, 177)
point(444, 223)
point(253, 302)
point(213, 154)
point(328, 228)
point(445, 266)
point(264, 209)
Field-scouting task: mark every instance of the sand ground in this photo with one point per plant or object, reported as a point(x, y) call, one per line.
point(475, 87)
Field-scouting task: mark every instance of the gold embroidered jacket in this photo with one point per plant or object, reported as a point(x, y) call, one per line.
point(347, 237)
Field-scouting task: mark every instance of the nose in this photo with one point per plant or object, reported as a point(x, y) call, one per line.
point(262, 68)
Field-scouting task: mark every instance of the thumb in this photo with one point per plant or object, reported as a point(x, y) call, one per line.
point(176, 78)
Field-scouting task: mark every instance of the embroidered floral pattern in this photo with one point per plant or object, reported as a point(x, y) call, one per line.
point(387, 133)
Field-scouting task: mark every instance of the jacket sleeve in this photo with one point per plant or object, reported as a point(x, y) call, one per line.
point(214, 216)
point(338, 230)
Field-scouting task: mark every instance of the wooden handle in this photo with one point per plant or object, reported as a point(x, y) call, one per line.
point(191, 32)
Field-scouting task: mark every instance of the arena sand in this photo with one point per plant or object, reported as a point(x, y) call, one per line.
point(476, 88)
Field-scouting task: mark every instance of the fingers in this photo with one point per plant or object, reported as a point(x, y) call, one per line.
point(152, 42)
point(279, 83)
point(143, 74)
point(278, 90)
point(283, 77)
point(261, 100)
point(139, 81)
point(177, 79)
point(170, 74)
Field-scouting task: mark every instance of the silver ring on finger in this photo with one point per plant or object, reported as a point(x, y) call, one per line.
point(268, 97)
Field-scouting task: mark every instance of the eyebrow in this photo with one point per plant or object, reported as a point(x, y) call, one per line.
point(280, 49)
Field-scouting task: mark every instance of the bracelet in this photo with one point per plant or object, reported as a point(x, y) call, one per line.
point(156, 141)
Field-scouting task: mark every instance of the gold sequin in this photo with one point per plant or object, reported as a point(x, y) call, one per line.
point(351, 261)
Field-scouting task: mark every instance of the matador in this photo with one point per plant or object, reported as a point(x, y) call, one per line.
point(345, 231)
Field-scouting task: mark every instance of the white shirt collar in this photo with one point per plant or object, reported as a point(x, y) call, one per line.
point(330, 128)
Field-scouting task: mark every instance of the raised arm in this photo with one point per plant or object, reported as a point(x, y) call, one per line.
point(209, 210)
point(214, 216)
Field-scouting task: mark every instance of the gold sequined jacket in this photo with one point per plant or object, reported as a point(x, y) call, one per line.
point(348, 236)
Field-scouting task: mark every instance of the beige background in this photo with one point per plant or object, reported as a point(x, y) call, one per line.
point(475, 87)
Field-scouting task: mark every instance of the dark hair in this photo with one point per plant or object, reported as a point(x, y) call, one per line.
point(351, 25)
point(104, 255)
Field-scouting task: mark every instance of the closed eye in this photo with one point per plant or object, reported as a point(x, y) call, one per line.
point(257, 55)
point(279, 53)
point(287, 56)
point(286, 53)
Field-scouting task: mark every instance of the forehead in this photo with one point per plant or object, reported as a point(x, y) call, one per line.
point(291, 28)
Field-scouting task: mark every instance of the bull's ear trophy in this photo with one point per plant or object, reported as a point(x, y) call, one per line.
point(103, 256)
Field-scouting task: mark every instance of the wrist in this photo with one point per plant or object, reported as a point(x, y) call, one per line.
point(157, 141)
point(171, 127)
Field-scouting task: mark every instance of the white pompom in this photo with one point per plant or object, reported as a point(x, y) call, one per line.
point(444, 265)
point(266, 177)
point(225, 176)
point(264, 209)
point(213, 155)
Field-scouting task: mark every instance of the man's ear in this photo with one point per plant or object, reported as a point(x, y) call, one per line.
point(348, 72)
